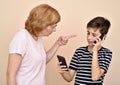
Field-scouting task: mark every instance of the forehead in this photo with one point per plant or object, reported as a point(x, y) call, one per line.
point(93, 30)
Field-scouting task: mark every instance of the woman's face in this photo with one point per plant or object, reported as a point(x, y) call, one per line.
point(48, 30)
point(92, 35)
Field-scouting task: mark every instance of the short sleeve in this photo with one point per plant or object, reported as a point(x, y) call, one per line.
point(106, 60)
point(74, 61)
point(18, 43)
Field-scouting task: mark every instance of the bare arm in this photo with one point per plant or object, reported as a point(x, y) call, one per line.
point(51, 52)
point(61, 41)
point(97, 72)
point(68, 75)
point(14, 62)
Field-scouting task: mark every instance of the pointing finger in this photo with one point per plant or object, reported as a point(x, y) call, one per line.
point(69, 36)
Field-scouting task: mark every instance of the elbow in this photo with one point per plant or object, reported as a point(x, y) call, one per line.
point(10, 75)
point(95, 78)
point(69, 80)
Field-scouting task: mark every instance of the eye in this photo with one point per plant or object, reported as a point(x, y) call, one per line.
point(94, 35)
point(88, 33)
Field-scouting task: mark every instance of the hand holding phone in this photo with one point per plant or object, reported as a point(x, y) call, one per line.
point(101, 37)
point(62, 59)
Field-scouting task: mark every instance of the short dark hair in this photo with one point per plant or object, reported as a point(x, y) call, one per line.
point(100, 23)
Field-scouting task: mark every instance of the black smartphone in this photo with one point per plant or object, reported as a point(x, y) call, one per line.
point(101, 37)
point(62, 59)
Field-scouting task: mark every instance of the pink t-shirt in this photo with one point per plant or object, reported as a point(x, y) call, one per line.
point(32, 69)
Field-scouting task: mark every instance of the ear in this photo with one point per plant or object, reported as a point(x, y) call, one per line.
point(104, 36)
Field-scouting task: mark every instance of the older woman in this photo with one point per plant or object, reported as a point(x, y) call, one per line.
point(27, 56)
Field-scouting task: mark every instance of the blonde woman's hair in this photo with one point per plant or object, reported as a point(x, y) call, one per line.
point(40, 17)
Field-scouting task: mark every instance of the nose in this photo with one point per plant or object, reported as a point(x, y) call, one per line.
point(89, 37)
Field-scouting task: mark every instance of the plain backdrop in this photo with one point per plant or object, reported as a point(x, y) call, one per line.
point(74, 16)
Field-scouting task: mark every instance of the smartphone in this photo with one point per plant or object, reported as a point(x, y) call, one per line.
point(101, 37)
point(62, 59)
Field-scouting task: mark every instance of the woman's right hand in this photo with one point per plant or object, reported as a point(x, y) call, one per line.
point(63, 40)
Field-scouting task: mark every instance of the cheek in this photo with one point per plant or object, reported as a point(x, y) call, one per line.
point(49, 31)
point(52, 30)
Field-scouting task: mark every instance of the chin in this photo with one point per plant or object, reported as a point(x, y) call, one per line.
point(90, 44)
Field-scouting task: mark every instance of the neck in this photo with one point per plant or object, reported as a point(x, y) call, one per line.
point(90, 48)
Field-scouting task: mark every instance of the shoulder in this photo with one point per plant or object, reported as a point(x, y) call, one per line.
point(21, 34)
point(83, 48)
point(106, 50)
point(20, 37)
point(80, 50)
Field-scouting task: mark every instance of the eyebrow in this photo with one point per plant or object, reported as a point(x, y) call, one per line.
point(92, 33)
